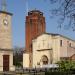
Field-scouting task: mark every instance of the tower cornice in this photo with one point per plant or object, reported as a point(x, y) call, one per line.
point(6, 12)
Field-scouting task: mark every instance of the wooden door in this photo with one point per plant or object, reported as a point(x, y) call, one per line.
point(5, 62)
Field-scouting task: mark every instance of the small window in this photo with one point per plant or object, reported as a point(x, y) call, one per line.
point(30, 61)
point(60, 42)
point(31, 21)
point(70, 44)
point(30, 45)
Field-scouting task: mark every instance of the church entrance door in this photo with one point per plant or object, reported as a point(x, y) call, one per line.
point(45, 60)
point(5, 62)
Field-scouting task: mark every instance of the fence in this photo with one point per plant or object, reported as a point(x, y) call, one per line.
point(43, 71)
point(24, 72)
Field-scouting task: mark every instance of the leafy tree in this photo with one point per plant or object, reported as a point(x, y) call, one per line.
point(66, 65)
point(65, 9)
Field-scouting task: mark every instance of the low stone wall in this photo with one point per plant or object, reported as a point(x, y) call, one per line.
point(20, 73)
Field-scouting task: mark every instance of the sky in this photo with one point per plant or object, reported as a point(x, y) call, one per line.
point(19, 8)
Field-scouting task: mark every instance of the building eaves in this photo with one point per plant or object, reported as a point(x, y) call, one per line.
point(6, 13)
point(55, 34)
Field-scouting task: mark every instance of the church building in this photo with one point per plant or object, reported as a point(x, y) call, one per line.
point(44, 48)
point(6, 52)
point(34, 26)
point(50, 48)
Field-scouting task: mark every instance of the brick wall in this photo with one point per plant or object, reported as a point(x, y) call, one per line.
point(35, 25)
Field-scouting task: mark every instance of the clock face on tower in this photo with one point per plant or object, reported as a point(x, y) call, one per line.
point(5, 21)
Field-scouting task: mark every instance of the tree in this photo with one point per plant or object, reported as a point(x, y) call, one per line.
point(18, 56)
point(66, 65)
point(66, 10)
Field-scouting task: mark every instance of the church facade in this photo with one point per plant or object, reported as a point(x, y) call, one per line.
point(50, 48)
point(44, 48)
point(6, 52)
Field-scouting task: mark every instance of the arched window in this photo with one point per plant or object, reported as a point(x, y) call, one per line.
point(44, 59)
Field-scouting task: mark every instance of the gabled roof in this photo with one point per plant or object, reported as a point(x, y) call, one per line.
point(55, 34)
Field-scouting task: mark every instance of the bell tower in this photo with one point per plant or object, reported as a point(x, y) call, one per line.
point(6, 53)
point(35, 25)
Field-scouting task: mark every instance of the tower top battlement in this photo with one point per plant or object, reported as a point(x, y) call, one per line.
point(35, 12)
